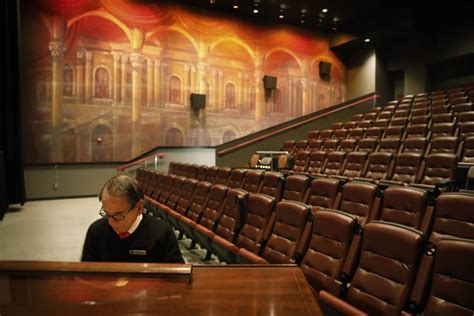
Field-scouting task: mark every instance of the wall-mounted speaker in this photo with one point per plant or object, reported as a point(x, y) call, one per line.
point(198, 101)
point(269, 82)
point(324, 69)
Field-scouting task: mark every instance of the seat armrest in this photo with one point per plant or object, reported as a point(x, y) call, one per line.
point(446, 184)
point(339, 305)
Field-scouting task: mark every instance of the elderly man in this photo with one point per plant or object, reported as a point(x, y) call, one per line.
point(124, 234)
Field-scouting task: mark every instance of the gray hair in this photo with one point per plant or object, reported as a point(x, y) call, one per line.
point(123, 186)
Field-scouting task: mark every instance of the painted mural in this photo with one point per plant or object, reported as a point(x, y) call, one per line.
point(108, 80)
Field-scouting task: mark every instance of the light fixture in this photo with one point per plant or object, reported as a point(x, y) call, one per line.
point(255, 11)
point(281, 16)
point(367, 40)
point(324, 10)
point(236, 6)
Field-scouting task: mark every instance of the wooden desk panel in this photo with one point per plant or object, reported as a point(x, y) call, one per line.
point(37, 289)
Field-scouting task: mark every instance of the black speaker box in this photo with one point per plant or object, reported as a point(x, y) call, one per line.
point(324, 68)
point(198, 101)
point(269, 82)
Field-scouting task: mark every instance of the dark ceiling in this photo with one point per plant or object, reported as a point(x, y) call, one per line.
point(351, 16)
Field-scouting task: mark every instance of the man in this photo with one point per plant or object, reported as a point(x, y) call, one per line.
point(124, 234)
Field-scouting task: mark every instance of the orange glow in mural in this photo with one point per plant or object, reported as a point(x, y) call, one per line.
point(123, 73)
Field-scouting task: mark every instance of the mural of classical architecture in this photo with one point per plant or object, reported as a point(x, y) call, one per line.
point(108, 80)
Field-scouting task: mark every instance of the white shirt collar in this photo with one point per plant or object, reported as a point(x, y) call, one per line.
point(135, 224)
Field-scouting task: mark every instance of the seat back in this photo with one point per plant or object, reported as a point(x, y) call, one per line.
point(452, 280)
point(233, 214)
point(374, 133)
point(324, 193)
point(222, 176)
point(296, 188)
point(415, 145)
point(348, 145)
point(211, 174)
point(326, 134)
point(236, 178)
point(439, 168)
point(312, 135)
point(356, 133)
point(330, 145)
point(301, 161)
point(390, 145)
point(288, 146)
point(407, 167)
point(316, 162)
point(417, 130)
point(199, 200)
point(340, 133)
point(330, 241)
point(379, 166)
point(167, 187)
point(407, 206)
point(258, 220)
point(444, 145)
point(290, 221)
point(187, 194)
point(252, 181)
point(355, 163)
point(300, 145)
point(272, 184)
point(468, 152)
point(212, 209)
point(175, 192)
point(314, 144)
point(453, 216)
point(362, 200)
point(367, 145)
point(387, 267)
point(334, 163)
point(201, 173)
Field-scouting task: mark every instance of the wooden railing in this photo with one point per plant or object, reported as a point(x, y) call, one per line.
point(294, 125)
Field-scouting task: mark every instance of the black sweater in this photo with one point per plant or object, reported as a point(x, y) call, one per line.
point(152, 241)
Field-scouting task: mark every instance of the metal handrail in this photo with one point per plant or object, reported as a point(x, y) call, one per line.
point(155, 158)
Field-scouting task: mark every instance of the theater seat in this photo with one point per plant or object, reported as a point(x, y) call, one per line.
point(379, 166)
point(452, 281)
point(386, 271)
point(272, 184)
point(256, 229)
point(316, 162)
point(236, 178)
point(334, 163)
point(406, 169)
point(354, 165)
point(468, 152)
point(187, 194)
point(407, 206)
point(252, 181)
point(222, 176)
point(324, 193)
point(212, 174)
point(330, 240)
point(438, 173)
point(301, 161)
point(296, 188)
point(201, 173)
point(362, 200)
point(290, 234)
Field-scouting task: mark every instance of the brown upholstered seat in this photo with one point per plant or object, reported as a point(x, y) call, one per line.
point(365, 124)
point(355, 164)
point(185, 222)
point(330, 145)
point(167, 187)
point(296, 188)
point(314, 134)
point(386, 271)
point(257, 226)
point(417, 130)
point(316, 162)
point(390, 145)
point(334, 163)
point(340, 133)
point(212, 174)
point(385, 115)
point(236, 178)
point(287, 236)
point(201, 173)
point(438, 168)
point(443, 129)
point(348, 145)
point(407, 206)
point(379, 166)
point(324, 193)
point(452, 281)
point(356, 133)
point(252, 181)
point(314, 144)
point(445, 145)
point(175, 192)
point(326, 134)
point(185, 199)
point(468, 151)
point(406, 168)
point(367, 145)
point(300, 145)
point(301, 161)
point(415, 145)
point(362, 200)
point(374, 133)
point(329, 245)
point(272, 184)
point(223, 174)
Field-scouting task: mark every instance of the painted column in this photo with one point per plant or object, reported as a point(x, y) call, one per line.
point(306, 108)
point(88, 75)
point(186, 86)
point(123, 71)
point(137, 62)
point(259, 104)
point(116, 82)
point(149, 81)
point(156, 82)
point(80, 54)
point(56, 48)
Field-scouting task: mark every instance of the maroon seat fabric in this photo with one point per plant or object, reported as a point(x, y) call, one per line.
point(201, 173)
point(324, 193)
point(407, 167)
point(236, 178)
point(334, 163)
point(252, 181)
point(355, 164)
point(296, 188)
point(211, 174)
point(331, 237)
point(362, 200)
point(222, 176)
point(468, 152)
point(272, 184)
point(301, 161)
point(379, 166)
point(316, 162)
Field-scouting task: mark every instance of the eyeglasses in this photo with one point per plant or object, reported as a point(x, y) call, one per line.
point(117, 217)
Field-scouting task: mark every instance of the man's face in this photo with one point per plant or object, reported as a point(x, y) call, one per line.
point(121, 207)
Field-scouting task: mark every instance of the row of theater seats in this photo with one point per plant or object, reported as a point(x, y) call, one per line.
point(380, 251)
